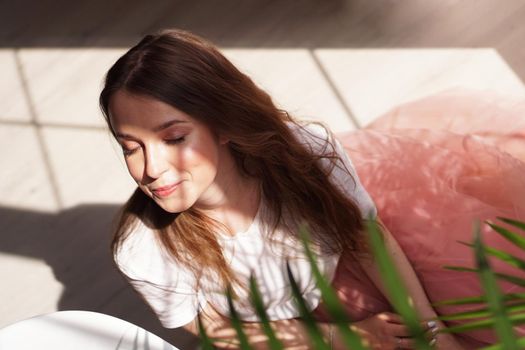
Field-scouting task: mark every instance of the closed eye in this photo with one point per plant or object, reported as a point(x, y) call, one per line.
point(128, 152)
point(175, 141)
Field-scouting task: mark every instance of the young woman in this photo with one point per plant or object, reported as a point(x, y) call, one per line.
point(224, 180)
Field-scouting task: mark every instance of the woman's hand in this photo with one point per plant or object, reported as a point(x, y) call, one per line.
point(447, 341)
point(382, 331)
point(387, 331)
point(417, 295)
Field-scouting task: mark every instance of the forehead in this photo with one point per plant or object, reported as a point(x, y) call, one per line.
point(129, 110)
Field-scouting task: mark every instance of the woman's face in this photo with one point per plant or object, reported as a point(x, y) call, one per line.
point(173, 158)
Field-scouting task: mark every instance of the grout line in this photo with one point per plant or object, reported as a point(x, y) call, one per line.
point(336, 92)
point(38, 129)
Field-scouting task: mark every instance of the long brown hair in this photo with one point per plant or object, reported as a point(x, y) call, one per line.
point(189, 73)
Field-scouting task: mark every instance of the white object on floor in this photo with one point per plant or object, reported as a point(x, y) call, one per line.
point(79, 330)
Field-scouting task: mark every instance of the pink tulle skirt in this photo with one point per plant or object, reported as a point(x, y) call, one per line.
point(433, 167)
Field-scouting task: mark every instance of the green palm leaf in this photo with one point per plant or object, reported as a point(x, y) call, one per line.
point(478, 299)
point(479, 313)
point(488, 280)
point(515, 223)
point(236, 322)
point(331, 301)
point(392, 280)
point(257, 302)
point(206, 343)
point(314, 332)
point(509, 235)
point(521, 343)
point(461, 301)
point(516, 319)
point(503, 276)
point(501, 255)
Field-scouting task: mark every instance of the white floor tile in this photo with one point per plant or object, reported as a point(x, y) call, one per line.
point(373, 81)
point(88, 166)
point(295, 83)
point(64, 84)
point(25, 179)
point(14, 103)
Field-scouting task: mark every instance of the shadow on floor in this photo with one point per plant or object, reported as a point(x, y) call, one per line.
point(75, 244)
point(271, 24)
point(61, 23)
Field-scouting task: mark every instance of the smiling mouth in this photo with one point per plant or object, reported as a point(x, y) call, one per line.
point(165, 191)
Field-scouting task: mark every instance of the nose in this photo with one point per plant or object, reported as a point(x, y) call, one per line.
point(156, 161)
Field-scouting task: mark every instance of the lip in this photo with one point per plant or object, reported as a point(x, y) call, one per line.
point(165, 191)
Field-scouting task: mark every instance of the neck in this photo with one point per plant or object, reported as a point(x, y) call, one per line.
point(233, 198)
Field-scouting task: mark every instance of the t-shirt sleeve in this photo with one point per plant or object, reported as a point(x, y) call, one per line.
point(349, 183)
point(342, 173)
point(167, 288)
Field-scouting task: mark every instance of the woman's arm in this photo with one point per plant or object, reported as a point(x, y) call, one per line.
point(290, 332)
point(415, 289)
point(379, 332)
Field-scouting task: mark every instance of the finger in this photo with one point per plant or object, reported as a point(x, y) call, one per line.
point(410, 343)
point(402, 331)
point(427, 325)
point(432, 331)
point(390, 317)
point(398, 330)
point(404, 343)
point(431, 338)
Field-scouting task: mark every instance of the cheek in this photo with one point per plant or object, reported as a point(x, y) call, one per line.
point(203, 162)
point(135, 168)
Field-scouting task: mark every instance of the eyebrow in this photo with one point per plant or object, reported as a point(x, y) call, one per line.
point(158, 128)
point(168, 124)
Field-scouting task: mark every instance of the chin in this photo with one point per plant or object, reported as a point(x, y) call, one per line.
point(173, 208)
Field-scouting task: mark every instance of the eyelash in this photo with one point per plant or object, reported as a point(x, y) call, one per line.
point(175, 141)
point(128, 152)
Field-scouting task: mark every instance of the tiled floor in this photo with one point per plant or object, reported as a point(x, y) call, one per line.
point(344, 62)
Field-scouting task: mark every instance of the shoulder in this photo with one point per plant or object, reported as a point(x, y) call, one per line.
point(322, 144)
point(169, 289)
point(335, 160)
point(134, 249)
point(317, 137)
point(141, 257)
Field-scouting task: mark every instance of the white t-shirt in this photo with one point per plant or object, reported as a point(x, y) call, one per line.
point(171, 290)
